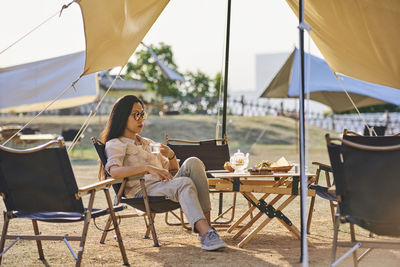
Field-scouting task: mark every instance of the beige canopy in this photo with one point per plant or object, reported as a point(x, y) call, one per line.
point(358, 38)
point(113, 29)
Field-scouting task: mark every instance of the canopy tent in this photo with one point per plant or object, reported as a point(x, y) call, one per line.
point(357, 38)
point(32, 86)
point(325, 88)
point(113, 29)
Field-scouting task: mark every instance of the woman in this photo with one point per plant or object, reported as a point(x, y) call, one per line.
point(129, 154)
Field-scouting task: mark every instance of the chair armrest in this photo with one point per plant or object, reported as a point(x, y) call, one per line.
point(322, 166)
point(104, 184)
point(84, 190)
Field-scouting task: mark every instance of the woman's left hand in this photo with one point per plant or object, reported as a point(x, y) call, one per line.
point(166, 151)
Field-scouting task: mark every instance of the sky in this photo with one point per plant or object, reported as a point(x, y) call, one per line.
point(195, 30)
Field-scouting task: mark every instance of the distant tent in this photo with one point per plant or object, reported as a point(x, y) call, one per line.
point(324, 87)
point(30, 87)
point(167, 71)
point(359, 39)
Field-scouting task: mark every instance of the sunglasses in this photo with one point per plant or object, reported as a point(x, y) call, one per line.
point(139, 115)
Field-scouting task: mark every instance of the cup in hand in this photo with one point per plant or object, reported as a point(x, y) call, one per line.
point(155, 148)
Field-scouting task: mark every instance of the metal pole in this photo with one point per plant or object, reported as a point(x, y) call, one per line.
point(228, 27)
point(303, 178)
point(226, 68)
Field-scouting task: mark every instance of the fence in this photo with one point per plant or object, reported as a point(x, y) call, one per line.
point(244, 106)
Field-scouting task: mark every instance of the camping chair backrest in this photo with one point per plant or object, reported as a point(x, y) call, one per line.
point(38, 180)
point(101, 152)
point(367, 183)
point(69, 135)
point(379, 130)
point(213, 155)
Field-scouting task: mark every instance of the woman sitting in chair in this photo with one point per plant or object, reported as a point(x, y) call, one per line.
point(129, 154)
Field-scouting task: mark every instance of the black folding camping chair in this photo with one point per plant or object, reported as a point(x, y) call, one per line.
point(213, 153)
point(367, 189)
point(149, 204)
point(38, 184)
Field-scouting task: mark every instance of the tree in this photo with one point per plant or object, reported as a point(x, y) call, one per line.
point(146, 69)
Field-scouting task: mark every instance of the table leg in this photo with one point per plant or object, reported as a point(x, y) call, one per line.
point(255, 202)
point(291, 227)
point(251, 209)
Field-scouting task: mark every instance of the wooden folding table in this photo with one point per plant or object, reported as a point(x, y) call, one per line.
point(276, 185)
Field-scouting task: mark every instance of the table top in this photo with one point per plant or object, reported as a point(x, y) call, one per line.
point(248, 175)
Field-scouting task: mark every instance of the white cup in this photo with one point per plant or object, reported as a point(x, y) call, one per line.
point(155, 148)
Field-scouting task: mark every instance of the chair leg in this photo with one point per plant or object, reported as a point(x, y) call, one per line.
point(88, 215)
point(3, 233)
point(310, 214)
point(148, 228)
point(353, 239)
point(311, 209)
point(147, 205)
point(116, 227)
point(231, 208)
point(180, 218)
point(38, 242)
point(105, 232)
point(335, 237)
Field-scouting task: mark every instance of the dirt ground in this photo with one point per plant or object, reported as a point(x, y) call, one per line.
point(273, 246)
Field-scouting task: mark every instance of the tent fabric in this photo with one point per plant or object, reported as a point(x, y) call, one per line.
point(114, 29)
point(358, 38)
point(323, 86)
point(167, 71)
point(32, 86)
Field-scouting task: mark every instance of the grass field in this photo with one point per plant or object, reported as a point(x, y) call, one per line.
point(266, 137)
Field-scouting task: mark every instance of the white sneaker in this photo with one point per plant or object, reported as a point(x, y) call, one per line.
point(211, 241)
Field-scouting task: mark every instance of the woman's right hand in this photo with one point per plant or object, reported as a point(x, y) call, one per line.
point(160, 173)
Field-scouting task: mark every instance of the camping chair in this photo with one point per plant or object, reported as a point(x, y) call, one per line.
point(148, 204)
point(328, 192)
point(367, 189)
point(324, 192)
point(69, 136)
point(213, 156)
point(39, 184)
point(379, 130)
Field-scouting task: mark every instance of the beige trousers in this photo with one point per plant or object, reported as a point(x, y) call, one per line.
point(189, 187)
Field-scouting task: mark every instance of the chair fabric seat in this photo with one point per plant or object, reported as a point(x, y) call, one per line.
point(61, 217)
point(322, 191)
point(158, 204)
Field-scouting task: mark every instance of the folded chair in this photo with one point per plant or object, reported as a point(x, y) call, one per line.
point(148, 204)
point(367, 189)
point(38, 184)
point(213, 155)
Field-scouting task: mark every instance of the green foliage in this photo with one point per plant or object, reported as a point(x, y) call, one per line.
point(197, 85)
point(217, 81)
point(145, 68)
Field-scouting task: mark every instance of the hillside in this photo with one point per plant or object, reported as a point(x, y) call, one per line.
point(264, 137)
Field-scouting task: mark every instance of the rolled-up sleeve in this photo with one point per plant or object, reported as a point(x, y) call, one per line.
point(115, 152)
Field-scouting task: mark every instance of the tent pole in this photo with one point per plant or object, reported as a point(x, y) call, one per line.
point(303, 179)
point(228, 26)
point(224, 107)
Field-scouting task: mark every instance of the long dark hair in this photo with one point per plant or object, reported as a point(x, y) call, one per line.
point(119, 115)
point(117, 120)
